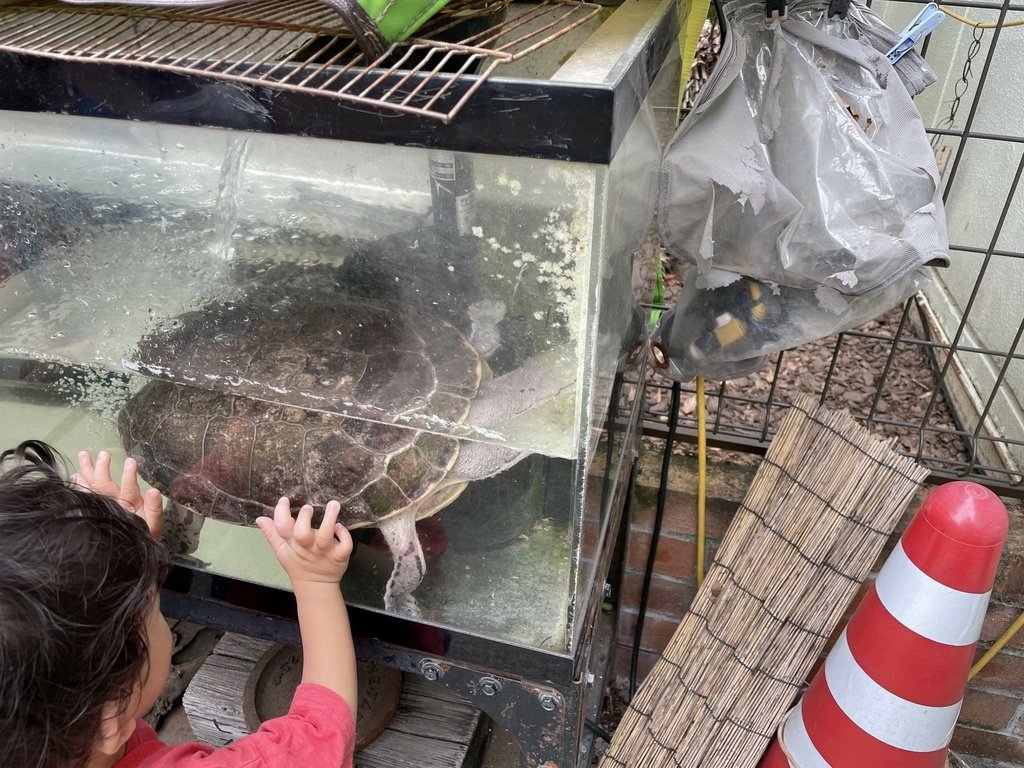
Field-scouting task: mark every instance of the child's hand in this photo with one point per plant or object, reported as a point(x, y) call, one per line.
point(308, 555)
point(315, 561)
point(96, 478)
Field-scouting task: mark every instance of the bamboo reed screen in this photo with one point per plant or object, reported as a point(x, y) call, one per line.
point(815, 518)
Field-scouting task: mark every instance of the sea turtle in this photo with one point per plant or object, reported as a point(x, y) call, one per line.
point(390, 387)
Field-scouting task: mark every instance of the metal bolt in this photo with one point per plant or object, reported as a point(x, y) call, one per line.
point(489, 685)
point(590, 679)
point(548, 702)
point(607, 591)
point(431, 670)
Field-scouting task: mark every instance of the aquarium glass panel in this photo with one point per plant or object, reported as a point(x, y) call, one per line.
point(251, 316)
point(379, 282)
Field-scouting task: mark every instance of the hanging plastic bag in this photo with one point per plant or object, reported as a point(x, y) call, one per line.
point(801, 187)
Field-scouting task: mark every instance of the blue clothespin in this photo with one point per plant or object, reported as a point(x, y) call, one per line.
point(923, 24)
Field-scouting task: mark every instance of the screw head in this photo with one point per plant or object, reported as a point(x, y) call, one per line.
point(489, 685)
point(431, 669)
point(548, 702)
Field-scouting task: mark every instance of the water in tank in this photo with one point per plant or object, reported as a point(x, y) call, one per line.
point(412, 332)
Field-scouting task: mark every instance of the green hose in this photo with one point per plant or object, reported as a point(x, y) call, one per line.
point(397, 19)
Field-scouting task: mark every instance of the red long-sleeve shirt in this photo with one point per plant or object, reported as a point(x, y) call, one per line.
point(317, 732)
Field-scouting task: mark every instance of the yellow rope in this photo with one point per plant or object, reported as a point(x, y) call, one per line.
point(702, 466)
point(979, 24)
point(997, 646)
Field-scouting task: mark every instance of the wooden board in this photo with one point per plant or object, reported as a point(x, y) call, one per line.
point(432, 726)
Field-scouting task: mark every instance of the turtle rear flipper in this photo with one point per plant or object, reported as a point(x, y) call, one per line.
point(399, 532)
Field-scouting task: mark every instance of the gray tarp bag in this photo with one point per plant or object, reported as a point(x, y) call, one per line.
point(801, 187)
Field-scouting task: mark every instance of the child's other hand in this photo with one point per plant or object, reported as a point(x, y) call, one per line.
point(308, 555)
point(96, 478)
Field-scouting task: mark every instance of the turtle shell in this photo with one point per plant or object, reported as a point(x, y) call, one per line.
point(374, 372)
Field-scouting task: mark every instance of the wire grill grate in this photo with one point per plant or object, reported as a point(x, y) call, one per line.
point(295, 45)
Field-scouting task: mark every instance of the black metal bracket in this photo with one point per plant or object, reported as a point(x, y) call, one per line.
point(541, 719)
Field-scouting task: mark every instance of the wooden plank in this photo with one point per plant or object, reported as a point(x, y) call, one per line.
point(213, 700)
point(432, 726)
point(242, 647)
point(422, 711)
point(403, 750)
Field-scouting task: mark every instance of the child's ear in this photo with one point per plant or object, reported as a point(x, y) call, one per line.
point(116, 727)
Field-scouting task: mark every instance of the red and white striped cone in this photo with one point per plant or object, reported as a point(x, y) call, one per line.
point(890, 691)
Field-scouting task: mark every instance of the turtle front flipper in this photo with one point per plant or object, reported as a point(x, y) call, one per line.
point(399, 532)
point(182, 526)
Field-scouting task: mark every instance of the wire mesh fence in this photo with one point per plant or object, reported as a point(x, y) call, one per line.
point(943, 374)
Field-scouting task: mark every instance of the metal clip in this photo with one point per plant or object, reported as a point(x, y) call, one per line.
point(777, 10)
point(922, 25)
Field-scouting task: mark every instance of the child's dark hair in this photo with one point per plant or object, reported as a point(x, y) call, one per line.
point(78, 576)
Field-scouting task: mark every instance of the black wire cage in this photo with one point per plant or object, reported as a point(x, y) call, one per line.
point(943, 374)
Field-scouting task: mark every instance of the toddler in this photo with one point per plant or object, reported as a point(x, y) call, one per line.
point(84, 650)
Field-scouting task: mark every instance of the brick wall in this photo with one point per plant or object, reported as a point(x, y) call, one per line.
point(991, 725)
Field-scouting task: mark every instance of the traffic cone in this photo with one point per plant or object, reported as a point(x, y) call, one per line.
point(890, 691)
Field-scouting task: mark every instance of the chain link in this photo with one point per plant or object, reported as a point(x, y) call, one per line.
point(960, 89)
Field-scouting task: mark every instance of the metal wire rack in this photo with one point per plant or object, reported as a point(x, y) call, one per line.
point(963, 381)
point(297, 45)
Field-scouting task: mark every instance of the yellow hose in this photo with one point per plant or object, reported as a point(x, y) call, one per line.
point(979, 24)
point(702, 466)
point(692, 14)
point(997, 646)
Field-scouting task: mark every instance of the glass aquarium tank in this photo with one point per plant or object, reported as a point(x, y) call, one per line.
point(438, 336)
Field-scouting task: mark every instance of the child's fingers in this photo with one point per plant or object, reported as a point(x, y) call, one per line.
point(283, 518)
point(88, 469)
point(153, 512)
point(97, 475)
point(103, 468)
point(304, 526)
point(343, 541)
point(325, 534)
point(130, 481)
point(269, 529)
